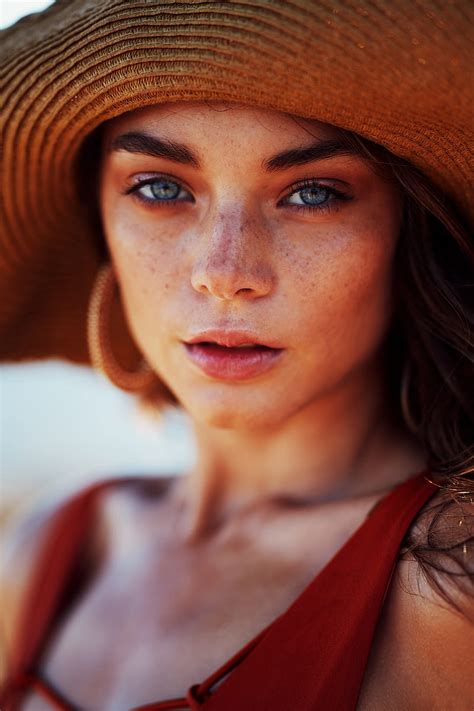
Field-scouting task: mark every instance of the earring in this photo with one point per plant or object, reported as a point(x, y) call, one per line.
point(405, 398)
point(100, 350)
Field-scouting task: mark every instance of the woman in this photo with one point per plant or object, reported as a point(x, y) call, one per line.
point(292, 260)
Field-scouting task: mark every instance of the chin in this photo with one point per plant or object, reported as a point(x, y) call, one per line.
point(235, 410)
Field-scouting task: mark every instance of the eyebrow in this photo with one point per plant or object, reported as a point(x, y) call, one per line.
point(135, 142)
point(157, 147)
point(320, 150)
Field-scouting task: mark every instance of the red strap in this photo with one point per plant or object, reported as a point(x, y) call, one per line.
point(162, 705)
point(314, 655)
point(54, 565)
point(28, 683)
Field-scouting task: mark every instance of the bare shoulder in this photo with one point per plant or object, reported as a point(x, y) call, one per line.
point(424, 646)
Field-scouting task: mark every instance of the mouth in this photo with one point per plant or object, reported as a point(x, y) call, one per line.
point(247, 360)
point(212, 345)
point(232, 339)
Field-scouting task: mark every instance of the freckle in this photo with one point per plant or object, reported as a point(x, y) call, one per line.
point(167, 286)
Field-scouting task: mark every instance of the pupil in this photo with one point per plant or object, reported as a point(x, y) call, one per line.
point(314, 196)
point(164, 189)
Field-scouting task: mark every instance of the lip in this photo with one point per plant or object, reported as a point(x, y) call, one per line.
point(232, 364)
point(231, 338)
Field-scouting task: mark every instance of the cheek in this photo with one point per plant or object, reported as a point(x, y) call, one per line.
point(148, 267)
point(343, 293)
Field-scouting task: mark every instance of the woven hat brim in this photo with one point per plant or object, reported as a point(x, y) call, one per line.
point(394, 72)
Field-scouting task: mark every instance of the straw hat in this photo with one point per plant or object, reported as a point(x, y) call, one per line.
point(397, 72)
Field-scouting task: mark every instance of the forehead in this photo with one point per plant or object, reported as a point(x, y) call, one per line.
point(210, 117)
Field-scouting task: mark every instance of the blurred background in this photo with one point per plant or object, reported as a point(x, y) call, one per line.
point(12, 10)
point(62, 426)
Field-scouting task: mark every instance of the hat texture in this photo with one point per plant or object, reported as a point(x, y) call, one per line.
point(398, 72)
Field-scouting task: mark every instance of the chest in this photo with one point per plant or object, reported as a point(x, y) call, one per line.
point(158, 619)
point(149, 633)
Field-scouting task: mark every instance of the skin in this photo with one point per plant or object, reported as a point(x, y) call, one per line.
point(288, 463)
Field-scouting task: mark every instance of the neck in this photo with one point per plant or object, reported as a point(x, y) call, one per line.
point(346, 443)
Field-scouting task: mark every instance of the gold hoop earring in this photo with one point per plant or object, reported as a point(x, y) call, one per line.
point(100, 350)
point(405, 398)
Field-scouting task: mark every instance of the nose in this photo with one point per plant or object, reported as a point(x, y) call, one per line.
point(232, 258)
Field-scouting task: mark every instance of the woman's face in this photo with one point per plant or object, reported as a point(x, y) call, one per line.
point(208, 229)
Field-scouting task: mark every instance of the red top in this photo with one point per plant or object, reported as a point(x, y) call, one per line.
point(312, 656)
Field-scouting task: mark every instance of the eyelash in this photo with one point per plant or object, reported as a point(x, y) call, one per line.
point(333, 203)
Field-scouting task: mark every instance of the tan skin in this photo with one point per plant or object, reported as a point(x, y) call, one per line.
point(231, 251)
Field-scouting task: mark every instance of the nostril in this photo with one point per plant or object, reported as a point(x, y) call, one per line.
point(231, 279)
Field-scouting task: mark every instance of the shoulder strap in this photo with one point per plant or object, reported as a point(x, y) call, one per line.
point(52, 570)
point(314, 655)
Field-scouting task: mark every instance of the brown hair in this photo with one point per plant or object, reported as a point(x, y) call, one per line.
point(431, 353)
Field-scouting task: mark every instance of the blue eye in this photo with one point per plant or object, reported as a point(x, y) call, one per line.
point(315, 197)
point(157, 191)
point(163, 189)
